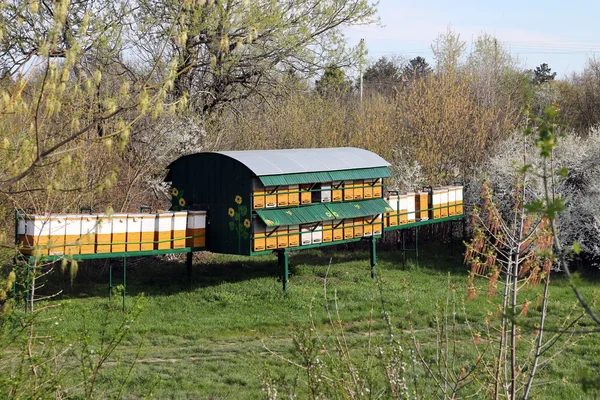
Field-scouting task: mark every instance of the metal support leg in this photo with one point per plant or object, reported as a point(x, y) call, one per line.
point(404, 248)
point(417, 244)
point(124, 280)
point(109, 281)
point(28, 291)
point(188, 263)
point(283, 261)
point(373, 257)
point(452, 238)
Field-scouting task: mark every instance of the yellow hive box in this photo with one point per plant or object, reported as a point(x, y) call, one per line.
point(103, 233)
point(258, 235)
point(34, 231)
point(179, 223)
point(338, 229)
point(436, 203)
point(271, 240)
point(282, 237)
point(368, 189)
point(163, 231)
point(368, 227)
point(327, 232)
point(358, 227)
point(459, 200)
point(348, 191)
point(119, 233)
point(72, 241)
point(451, 200)
point(56, 238)
point(147, 232)
point(444, 202)
point(358, 189)
point(337, 192)
point(258, 199)
point(283, 197)
point(88, 234)
point(294, 235)
point(196, 229)
point(348, 229)
point(392, 217)
point(305, 194)
point(422, 205)
point(134, 232)
point(270, 197)
point(377, 188)
point(378, 225)
point(294, 196)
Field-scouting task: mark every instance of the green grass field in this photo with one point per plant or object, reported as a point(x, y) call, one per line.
point(231, 329)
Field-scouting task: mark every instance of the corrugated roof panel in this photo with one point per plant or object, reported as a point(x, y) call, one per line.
point(295, 179)
point(356, 209)
point(292, 161)
point(295, 216)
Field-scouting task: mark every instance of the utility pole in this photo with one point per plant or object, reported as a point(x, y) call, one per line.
point(361, 62)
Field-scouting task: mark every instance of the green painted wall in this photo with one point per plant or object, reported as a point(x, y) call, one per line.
point(222, 186)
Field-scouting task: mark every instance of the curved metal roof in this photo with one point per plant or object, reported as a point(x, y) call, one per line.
point(293, 161)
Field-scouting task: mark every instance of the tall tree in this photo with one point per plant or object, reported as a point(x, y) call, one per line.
point(415, 69)
point(542, 74)
point(333, 82)
point(228, 50)
point(384, 75)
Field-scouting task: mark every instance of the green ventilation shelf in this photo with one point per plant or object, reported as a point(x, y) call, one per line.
point(355, 209)
point(322, 212)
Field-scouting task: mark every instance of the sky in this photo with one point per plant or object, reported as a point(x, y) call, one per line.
point(563, 34)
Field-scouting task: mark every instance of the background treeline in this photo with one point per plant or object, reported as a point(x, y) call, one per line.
point(99, 97)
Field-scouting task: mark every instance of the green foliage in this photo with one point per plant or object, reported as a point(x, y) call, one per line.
point(333, 82)
point(383, 76)
point(542, 74)
point(225, 333)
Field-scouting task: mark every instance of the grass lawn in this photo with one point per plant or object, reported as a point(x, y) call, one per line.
point(231, 329)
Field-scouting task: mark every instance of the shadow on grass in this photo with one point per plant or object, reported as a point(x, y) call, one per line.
point(168, 275)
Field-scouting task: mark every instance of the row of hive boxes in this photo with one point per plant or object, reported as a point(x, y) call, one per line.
point(446, 201)
point(410, 207)
point(58, 234)
point(293, 195)
point(322, 232)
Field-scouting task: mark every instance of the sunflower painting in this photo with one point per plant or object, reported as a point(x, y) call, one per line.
point(239, 223)
point(177, 201)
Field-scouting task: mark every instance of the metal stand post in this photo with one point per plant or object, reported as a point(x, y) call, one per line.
point(283, 261)
point(417, 244)
point(28, 292)
point(451, 238)
point(373, 252)
point(403, 248)
point(124, 280)
point(109, 281)
point(188, 263)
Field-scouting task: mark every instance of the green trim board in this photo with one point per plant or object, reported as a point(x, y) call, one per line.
point(325, 176)
point(95, 256)
point(322, 212)
point(426, 222)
